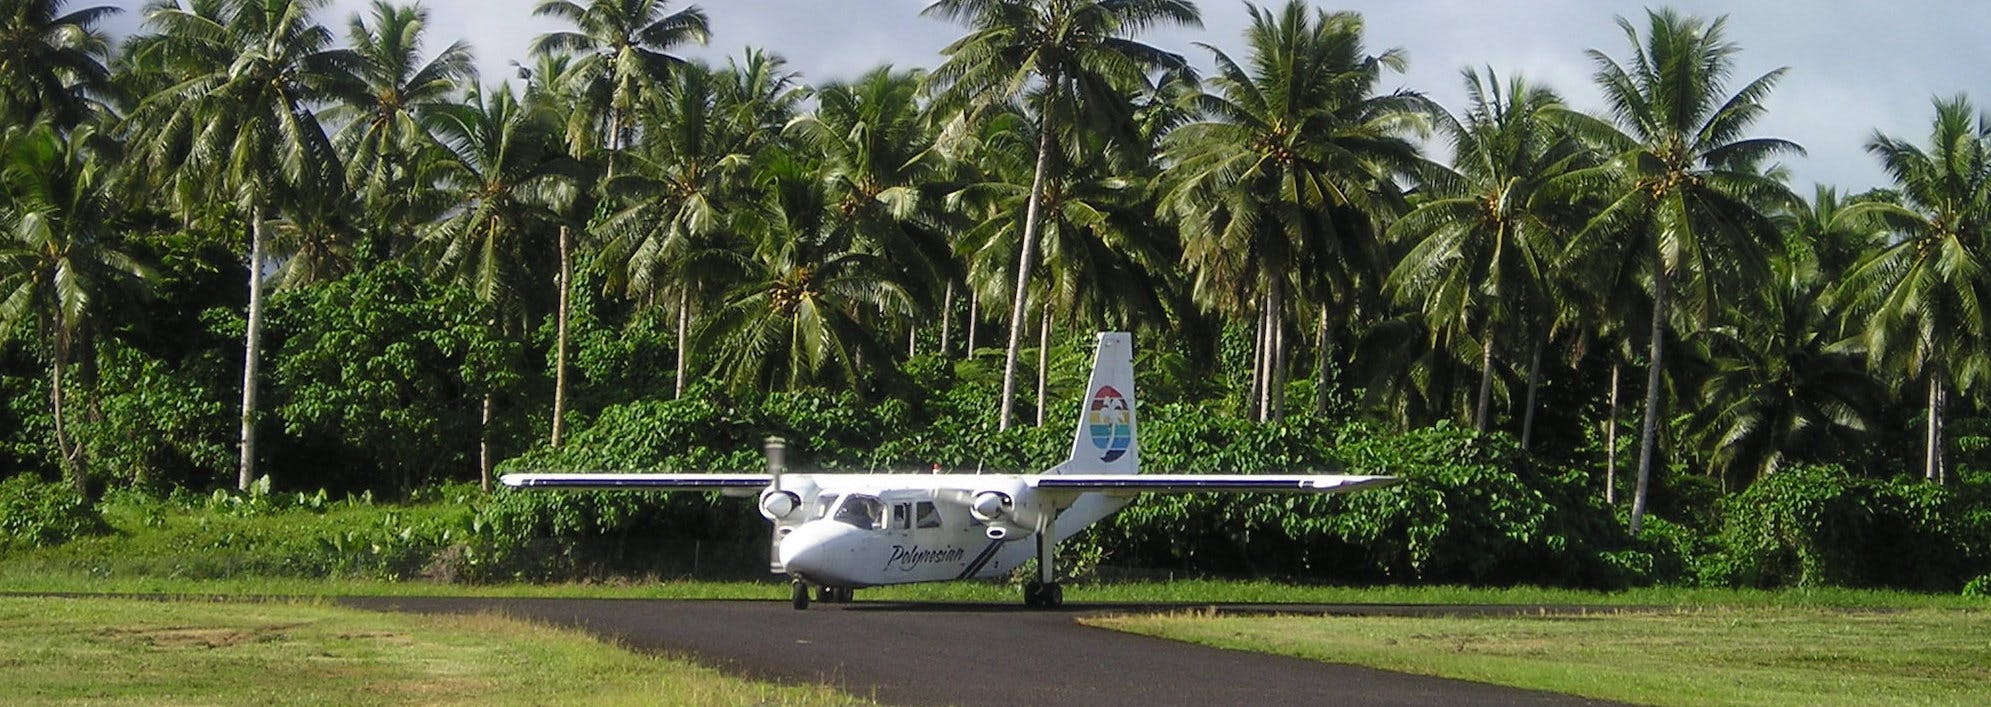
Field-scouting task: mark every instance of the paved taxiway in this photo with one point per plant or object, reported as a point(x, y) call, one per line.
point(924, 654)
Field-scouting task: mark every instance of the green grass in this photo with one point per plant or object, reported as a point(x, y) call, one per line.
point(123, 651)
point(1739, 656)
point(29, 579)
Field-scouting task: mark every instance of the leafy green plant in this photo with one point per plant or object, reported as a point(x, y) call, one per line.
point(38, 514)
point(1822, 526)
point(390, 367)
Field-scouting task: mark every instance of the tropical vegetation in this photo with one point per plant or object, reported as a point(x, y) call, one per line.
point(242, 251)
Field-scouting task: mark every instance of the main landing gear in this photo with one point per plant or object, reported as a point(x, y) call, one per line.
point(1044, 592)
point(798, 594)
point(835, 595)
point(1041, 595)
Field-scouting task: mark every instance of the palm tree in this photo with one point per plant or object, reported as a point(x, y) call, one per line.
point(622, 50)
point(1107, 261)
point(876, 158)
point(1485, 246)
point(60, 255)
point(1278, 189)
point(237, 125)
point(1923, 295)
point(1784, 386)
point(674, 200)
point(1071, 59)
point(384, 141)
point(1683, 193)
point(51, 62)
point(798, 316)
point(503, 175)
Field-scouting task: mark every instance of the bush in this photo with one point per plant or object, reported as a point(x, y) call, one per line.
point(1472, 509)
point(1821, 526)
point(38, 514)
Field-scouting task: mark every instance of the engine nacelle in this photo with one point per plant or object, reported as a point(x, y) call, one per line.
point(791, 503)
point(778, 505)
point(1009, 509)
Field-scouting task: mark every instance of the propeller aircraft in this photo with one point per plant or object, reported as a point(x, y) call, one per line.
point(839, 532)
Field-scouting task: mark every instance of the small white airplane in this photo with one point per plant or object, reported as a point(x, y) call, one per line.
point(840, 531)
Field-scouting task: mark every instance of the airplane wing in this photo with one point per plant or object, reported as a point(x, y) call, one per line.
point(1129, 484)
point(657, 482)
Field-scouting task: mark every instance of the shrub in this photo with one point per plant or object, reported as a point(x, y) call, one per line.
point(1821, 526)
point(1471, 509)
point(38, 514)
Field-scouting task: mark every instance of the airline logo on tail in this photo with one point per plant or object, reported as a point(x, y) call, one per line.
point(1107, 420)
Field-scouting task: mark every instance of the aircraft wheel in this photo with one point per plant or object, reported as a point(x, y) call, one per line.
point(1054, 595)
point(799, 594)
point(1033, 595)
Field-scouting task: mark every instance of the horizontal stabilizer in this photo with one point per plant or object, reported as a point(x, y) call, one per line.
point(1208, 483)
point(662, 482)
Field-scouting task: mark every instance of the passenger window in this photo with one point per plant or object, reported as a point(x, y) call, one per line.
point(824, 503)
point(928, 516)
point(902, 515)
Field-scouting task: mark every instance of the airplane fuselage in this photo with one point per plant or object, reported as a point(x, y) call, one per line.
point(859, 531)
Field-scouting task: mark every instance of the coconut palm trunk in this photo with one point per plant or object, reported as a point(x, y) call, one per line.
point(1321, 382)
point(484, 442)
point(1043, 363)
point(946, 319)
point(560, 337)
point(683, 339)
point(1534, 386)
point(1259, 347)
point(1648, 435)
point(1279, 367)
point(1484, 404)
point(72, 452)
point(1932, 459)
point(1017, 318)
point(1611, 436)
point(252, 349)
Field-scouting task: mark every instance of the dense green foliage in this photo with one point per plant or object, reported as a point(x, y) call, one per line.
point(632, 260)
point(1821, 526)
point(36, 514)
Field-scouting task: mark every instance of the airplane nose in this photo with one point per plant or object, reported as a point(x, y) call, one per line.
point(817, 551)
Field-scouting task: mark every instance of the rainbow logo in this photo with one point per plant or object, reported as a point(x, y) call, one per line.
point(1110, 422)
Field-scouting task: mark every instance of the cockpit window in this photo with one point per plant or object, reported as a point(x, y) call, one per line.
point(824, 503)
point(864, 512)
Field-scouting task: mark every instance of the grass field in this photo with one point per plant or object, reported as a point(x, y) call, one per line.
point(1675, 646)
point(1657, 646)
point(1717, 656)
point(29, 578)
point(125, 651)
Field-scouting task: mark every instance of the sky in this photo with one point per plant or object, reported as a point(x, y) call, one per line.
point(1854, 66)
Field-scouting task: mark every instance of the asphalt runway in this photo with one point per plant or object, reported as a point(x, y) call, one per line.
point(935, 654)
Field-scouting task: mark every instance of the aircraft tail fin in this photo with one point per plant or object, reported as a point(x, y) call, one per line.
point(1106, 441)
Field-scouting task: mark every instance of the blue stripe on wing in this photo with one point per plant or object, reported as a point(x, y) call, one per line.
point(661, 482)
point(1210, 483)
